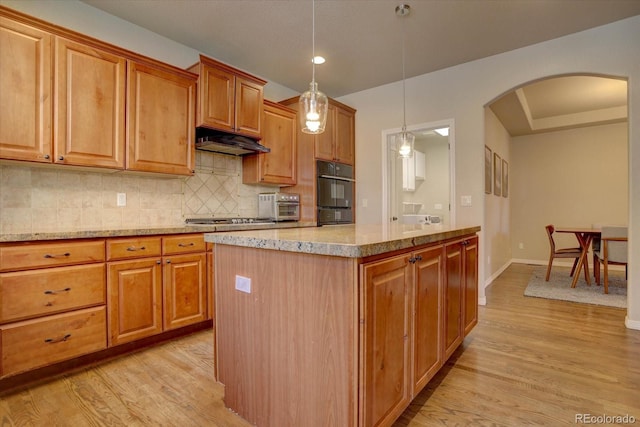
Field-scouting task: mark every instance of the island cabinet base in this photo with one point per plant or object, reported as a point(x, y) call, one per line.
point(287, 351)
point(321, 340)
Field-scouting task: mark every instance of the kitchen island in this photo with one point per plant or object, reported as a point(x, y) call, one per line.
point(339, 325)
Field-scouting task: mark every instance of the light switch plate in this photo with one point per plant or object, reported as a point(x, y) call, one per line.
point(122, 199)
point(243, 284)
point(465, 200)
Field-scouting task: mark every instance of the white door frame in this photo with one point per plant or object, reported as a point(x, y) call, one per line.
point(387, 133)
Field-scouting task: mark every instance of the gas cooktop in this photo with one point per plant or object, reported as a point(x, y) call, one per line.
point(228, 221)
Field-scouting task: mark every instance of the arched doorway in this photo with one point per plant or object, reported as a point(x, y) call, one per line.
point(565, 141)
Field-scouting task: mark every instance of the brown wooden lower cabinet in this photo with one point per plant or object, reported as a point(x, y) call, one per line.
point(135, 299)
point(165, 289)
point(365, 335)
point(402, 331)
point(185, 292)
point(66, 299)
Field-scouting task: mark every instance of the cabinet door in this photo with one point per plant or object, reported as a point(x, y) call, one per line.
point(89, 106)
point(345, 137)
point(249, 97)
point(427, 347)
point(453, 290)
point(408, 174)
point(385, 346)
point(134, 290)
point(185, 290)
point(160, 121)
point(25, 86)
point(217, 98)
point(324, 142)
point(279, 134)
point(470, 284)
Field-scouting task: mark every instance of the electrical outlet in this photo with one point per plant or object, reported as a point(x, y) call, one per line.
point(243, 284)
point(465, 200)
point(122, 199)
point(520, 245)
point(438, 206)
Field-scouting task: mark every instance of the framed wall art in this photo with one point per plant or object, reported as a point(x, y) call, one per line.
point(505, 178)
point(488, 157)
point(497, 175)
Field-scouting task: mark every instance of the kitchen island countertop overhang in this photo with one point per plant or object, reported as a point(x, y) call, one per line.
point(351, 241)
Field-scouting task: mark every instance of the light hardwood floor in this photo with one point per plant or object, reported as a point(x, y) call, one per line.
point(529, 361)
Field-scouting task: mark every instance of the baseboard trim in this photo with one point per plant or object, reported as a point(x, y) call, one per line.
point(631, 324)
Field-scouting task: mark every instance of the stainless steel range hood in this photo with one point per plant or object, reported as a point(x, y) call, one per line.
point(227, 143)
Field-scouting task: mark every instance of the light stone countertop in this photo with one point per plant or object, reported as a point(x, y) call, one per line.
point(140, 231)
point(352, 241)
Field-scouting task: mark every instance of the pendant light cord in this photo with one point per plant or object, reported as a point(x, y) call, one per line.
point(404, 96)
point(313, 40)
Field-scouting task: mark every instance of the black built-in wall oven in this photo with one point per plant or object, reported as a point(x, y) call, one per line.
point(336, 191)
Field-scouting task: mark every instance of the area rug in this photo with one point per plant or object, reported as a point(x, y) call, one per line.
point(559, 287)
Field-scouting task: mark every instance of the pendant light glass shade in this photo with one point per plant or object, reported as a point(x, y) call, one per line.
point(313, 104)
point(313, 110)
point(404, 140)
point(404, 143)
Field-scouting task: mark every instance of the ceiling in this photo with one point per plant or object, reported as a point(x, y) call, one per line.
point(362, 42)
point(562, 103)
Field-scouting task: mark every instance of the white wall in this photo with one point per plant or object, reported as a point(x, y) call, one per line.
point(460, 93)
point(497, 209)
point(569, 177)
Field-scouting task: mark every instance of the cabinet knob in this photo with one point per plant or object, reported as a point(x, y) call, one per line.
point(158, 262)
point(61, 158)
point(47, 157)
point(168, 261)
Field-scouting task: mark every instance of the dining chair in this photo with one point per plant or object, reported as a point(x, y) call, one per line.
point(561, 253)
point(613, 250)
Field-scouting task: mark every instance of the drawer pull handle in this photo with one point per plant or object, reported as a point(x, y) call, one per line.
point(133, 248)
point(59, 291)
point(184, 245)
point(57, 256)
point(53, 340)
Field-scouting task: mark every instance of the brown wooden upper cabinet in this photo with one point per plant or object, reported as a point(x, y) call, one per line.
point(229, 100)
point(25, 85)
point(279, 134)
point(78, 101)
point(86, 99)
point(160, 116)
point(337, 142)
point(89, 106)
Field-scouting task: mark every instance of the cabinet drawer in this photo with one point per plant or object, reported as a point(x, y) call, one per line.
point(136, 247)
point(29, 256)
point(183, 243)
point(33, 293)
point(40, 342)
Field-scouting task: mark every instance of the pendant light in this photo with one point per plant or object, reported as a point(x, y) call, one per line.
point(313, 104)
point(404, 140)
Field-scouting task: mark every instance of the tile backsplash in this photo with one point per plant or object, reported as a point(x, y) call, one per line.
point(43, 199)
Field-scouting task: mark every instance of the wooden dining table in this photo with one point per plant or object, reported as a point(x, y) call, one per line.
point(585, 236)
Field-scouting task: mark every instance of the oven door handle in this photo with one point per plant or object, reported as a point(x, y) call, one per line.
point(339, 178)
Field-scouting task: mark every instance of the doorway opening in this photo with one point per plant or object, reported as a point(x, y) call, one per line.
point(420, 190)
